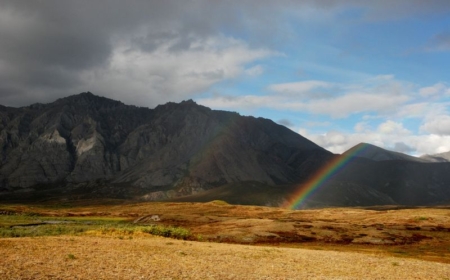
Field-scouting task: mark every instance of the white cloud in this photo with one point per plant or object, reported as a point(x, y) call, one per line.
point(254, 71)
point(361, 127)
point(414, 110)
point(379, 94)
point(436, 90)
point(417, 145)
point(438, 124)
point(339, 142)
point(240, 102)
point(393, 128)
point(317, 124)
point(164, 75)
point(380, 98)
point(354, 103)
point(432, 137)
point(431, 144)
point(308, 88)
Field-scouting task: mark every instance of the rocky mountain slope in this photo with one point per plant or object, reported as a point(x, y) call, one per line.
point(89, 147)
point(72, 139)
point(172, 150)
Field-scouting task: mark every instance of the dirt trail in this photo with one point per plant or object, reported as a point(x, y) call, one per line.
point(90, 257)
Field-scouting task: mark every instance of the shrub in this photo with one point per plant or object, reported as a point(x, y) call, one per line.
point(174, 232)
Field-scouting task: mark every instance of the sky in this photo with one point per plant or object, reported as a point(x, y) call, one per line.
point(337, 72)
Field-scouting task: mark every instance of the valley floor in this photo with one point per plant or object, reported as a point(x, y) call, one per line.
point(91, 257)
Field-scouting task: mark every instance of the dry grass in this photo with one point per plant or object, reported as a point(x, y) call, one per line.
point(86, 257)
point(407, 233)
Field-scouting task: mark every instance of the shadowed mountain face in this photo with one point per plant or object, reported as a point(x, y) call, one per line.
point(90, 147)
point(374, 175)
point(390, 182)
point(172, 150)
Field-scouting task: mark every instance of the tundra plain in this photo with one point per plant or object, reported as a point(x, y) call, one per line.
point(218, 240)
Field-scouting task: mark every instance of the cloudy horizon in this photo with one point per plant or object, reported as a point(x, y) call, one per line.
point(337, 72)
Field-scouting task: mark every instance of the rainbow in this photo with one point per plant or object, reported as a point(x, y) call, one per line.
point(321, 176)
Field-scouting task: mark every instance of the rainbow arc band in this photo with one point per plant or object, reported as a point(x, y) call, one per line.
point(316, 181)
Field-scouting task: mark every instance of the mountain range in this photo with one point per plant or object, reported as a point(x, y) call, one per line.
point(90, 147)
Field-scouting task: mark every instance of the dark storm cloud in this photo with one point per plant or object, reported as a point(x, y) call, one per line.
point(52, 33)
point(47, 47)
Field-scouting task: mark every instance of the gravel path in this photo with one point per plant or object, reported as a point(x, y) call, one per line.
point(162, 258)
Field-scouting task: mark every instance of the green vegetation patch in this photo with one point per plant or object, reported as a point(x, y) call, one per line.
point(158, 230)
point(32, 226)
point(173, 232)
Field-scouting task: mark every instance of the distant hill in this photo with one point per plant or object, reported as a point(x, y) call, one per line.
point(375, 153)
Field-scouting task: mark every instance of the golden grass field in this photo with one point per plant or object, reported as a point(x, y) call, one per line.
point(223, 242)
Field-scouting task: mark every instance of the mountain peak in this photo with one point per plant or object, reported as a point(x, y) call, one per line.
point(188, 102)
point(88, 100)
point(183, 106)
point(364, 144)
point(370, 151)
point(87, 95)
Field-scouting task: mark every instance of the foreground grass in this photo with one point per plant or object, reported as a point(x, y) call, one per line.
point(90, 257)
